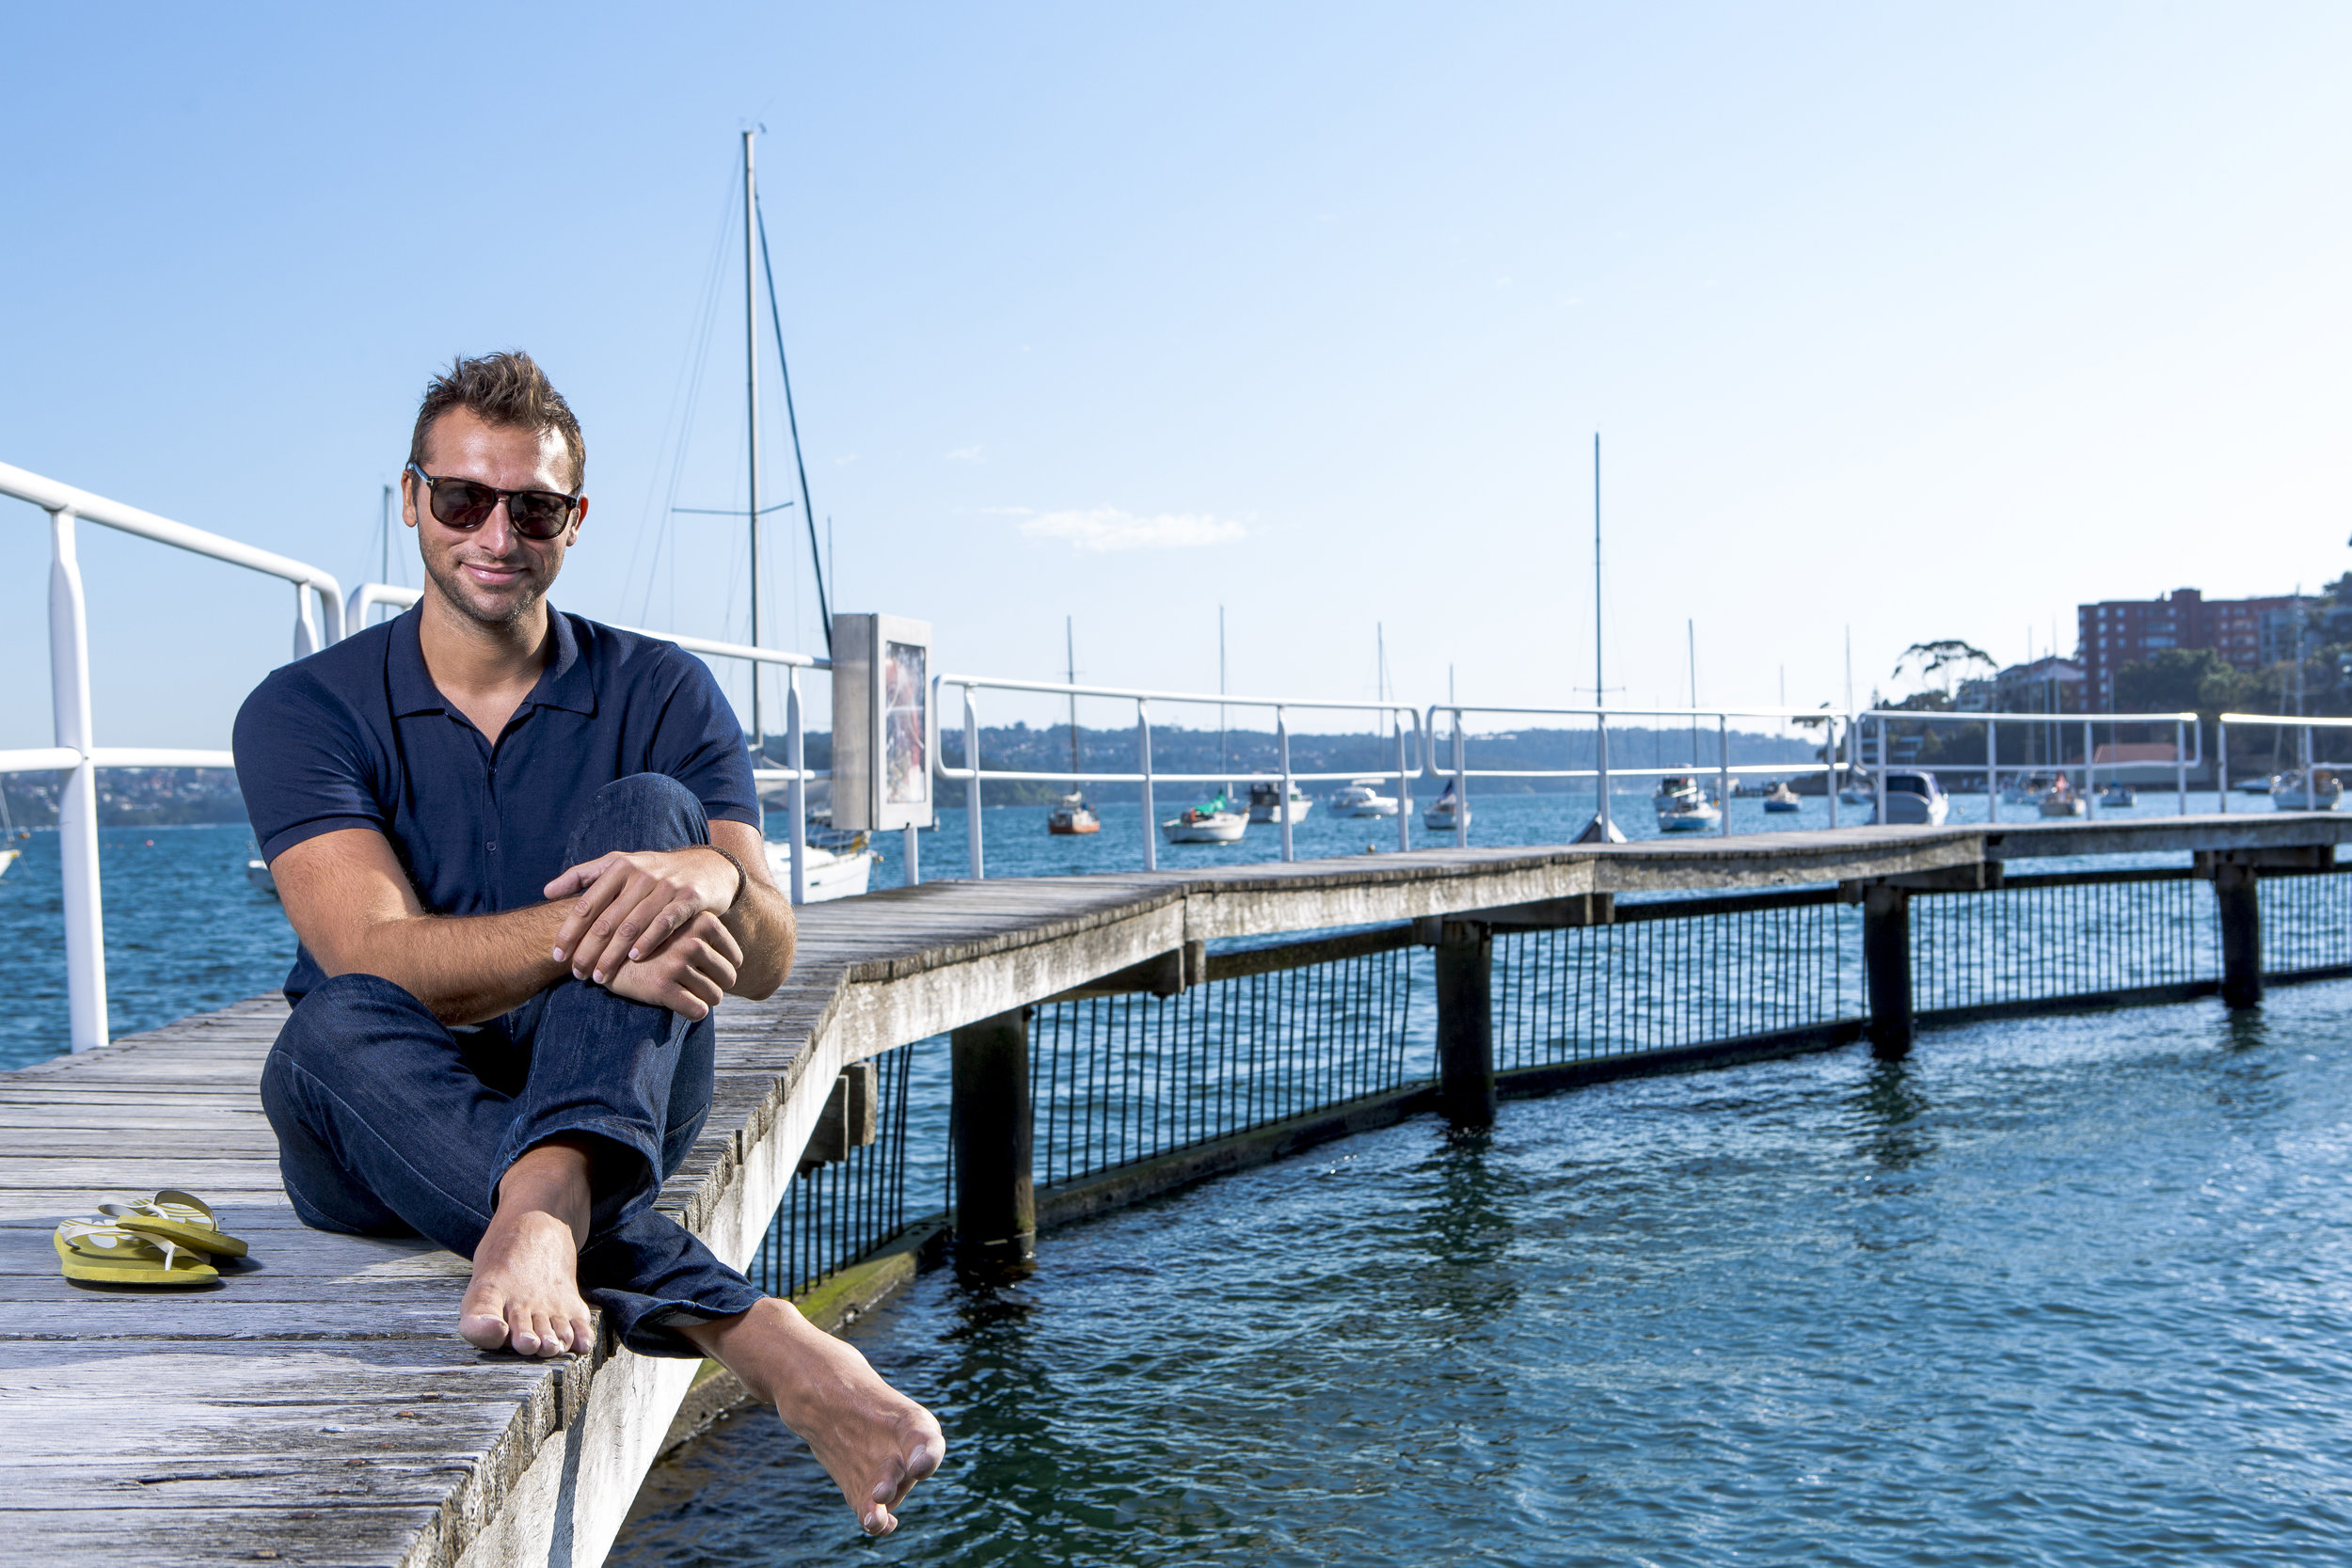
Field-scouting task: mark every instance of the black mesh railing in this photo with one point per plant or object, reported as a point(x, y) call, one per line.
point(838, 1212)
point(2039, 939)
point(2307, 922)
point(1672, 974)
point(1118, 1079)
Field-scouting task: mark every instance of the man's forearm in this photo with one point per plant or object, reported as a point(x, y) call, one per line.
point(468, 969)
point(762, 925)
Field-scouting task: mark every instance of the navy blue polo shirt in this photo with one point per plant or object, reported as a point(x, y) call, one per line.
point(356, 735)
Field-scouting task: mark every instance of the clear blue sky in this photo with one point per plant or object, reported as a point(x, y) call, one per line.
point(1930, 320)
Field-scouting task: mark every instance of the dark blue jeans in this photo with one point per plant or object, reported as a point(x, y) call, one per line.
point(390, 1123)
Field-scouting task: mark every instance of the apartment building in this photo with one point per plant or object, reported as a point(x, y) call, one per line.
point(2247, 634)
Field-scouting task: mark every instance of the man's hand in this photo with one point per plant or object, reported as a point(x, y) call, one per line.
point(631, 905)
point(688, 974)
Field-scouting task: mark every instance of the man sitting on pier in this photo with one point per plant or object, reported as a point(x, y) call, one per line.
point(521, 850)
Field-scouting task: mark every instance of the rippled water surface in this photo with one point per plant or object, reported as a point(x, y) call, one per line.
point(2058, 1292)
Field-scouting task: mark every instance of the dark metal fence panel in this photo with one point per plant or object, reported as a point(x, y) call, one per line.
point(1654, 981)
point(1118, 1079)
point(2038, 940)
point(836, 1213)
point(2307, 922)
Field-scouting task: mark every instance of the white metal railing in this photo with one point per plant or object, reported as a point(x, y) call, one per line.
point(972, 776)
point(1457, 765)
point(77, 751)
point(2188, 748)
point(794, 775)
point(2300, 724)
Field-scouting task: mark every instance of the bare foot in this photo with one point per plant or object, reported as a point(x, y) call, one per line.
point(525, 1294)
point(873, 1440)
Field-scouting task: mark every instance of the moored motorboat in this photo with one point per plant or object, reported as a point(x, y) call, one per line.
point(1683, 807)
point(1363, 798)
point(1448, 813)
point(1781, 798)
point(1211, 822)
point(1266, 801)
point(1072, 816)
point(2117, 793)
point(2308, 789)
point(1914, 798)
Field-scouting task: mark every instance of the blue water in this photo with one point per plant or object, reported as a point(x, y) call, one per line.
point(184, 932)
point(2071, 1290)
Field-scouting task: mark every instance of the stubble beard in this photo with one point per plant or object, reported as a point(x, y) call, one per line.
point(451, 588)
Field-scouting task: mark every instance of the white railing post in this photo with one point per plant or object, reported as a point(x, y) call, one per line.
point(1723, 769)
point(306, 632)
point(1992, 769)
point(1461, 783)
point(2090, 774)
point(2179, 757)
point(1877, 728)
point(77, 802)
point(1829, 752)
point(2221, 761)
point(1282, 744)
point(1600, 758)
point(972, 790)
point(1151, 828)
point(1404, 794)
point(796, 788)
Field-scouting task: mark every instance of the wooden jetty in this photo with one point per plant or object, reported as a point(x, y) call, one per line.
point(316, 1406)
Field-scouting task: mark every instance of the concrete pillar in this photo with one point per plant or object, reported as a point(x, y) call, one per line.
point(1466, 1031)
point(2237, 891)
point(990, 1140)
point(1886, 964)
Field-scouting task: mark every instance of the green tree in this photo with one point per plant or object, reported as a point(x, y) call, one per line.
point(2182, 680)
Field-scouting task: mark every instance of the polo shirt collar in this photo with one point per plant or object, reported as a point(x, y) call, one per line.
point(565, 683)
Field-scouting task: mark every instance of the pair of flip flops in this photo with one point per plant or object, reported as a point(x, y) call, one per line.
point(168, 1238)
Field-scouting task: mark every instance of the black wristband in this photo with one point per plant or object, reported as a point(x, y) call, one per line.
point(742, 877)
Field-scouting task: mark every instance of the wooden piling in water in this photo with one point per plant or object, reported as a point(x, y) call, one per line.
point(1465, 1029)
point(991, 1137)
point(1886, 963)
point(2237, 891)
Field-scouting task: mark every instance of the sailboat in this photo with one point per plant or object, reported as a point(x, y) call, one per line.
point(8, 851)
point(1600, 829)
point(1448, 811)
point(1071, 815)
point(844, 868)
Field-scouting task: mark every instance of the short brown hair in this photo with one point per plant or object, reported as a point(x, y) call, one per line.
point(507, 388)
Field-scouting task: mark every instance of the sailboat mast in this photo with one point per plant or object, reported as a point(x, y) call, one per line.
point(1692, 632)
point(751, 406)
point(1070, 652)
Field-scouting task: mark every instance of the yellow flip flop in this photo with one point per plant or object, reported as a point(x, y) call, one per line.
point(176, 1216)
point(107, 1254)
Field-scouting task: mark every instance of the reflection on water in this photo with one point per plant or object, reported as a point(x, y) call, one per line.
point(2065, 1290)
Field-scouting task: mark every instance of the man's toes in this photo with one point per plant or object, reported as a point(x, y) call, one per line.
point(482, 1330)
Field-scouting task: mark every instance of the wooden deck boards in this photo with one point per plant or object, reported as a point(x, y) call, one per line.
point(315, 1406)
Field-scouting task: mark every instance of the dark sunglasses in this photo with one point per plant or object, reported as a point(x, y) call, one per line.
point(463, 505)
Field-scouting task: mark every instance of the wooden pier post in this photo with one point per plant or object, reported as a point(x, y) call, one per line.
point(990, 1139)
point(1886, 963)
point(2237, 891)
point(1466, 1034)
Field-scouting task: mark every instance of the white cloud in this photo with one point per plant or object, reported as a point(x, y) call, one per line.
point(965, 455)
point(1107, 528)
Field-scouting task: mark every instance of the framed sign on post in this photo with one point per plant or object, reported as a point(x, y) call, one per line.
point(882, 722)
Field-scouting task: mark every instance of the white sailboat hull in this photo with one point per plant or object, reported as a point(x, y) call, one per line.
point(829, 875)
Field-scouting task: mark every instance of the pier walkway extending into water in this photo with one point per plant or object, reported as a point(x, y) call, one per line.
point(316, 1406)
